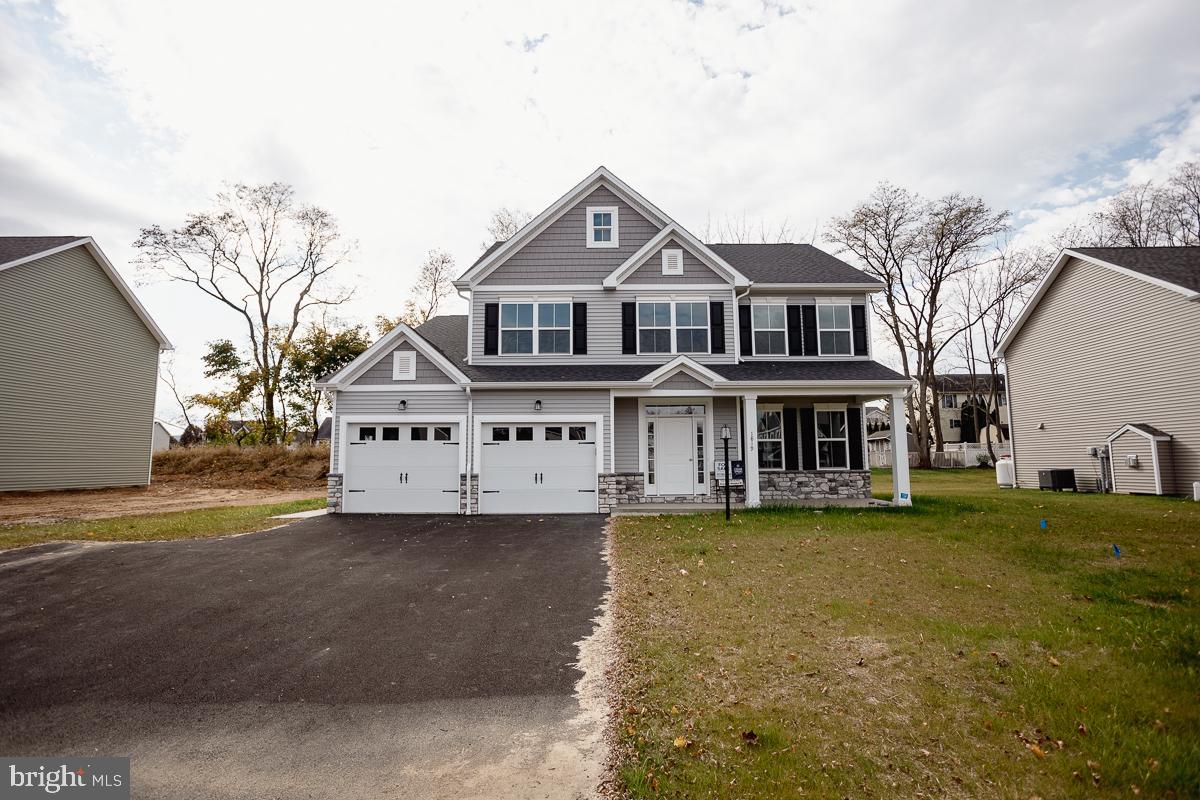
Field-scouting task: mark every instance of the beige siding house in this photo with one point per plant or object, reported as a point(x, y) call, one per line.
point(81, 360)
point(1104, 369)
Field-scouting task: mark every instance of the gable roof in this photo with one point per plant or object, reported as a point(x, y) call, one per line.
point(496, 254)
point(1179, 266)
point(1149, 431)
point(961, 381)
point(694, 246)
point(790, 263)
point(18, 250)
point(1176, 269)
point(383, 345)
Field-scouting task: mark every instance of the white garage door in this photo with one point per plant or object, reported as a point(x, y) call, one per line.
point(399, 469)
point(537, 468)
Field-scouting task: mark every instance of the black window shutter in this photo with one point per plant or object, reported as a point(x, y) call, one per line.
point(716, 326)
point(791, 443)
point(854, 423)
point(579, 329)
point(794, 339)
point(629, 328)
point(810, 331)
point(491, 329)
point(808, 438)
point(744, 332)
point(858, 321)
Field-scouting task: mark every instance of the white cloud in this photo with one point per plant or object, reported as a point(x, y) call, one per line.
point(411, 123)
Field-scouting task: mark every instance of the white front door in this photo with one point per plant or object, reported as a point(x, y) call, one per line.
point(397, 469)
point(532, 468)
point(675, 453)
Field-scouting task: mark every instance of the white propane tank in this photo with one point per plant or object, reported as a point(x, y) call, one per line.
point(1005, 473)
point(1196, 491)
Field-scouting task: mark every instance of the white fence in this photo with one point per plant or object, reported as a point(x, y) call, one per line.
point(955, 456)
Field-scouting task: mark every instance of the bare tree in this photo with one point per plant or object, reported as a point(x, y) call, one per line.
point(740, 230)
point(265, 257)
point(1184, 185)
point(505, 223)
point(920, 250)
point(1146, 215)
point(434, 284)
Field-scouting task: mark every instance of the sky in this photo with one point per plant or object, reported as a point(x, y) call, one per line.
point(413, 122)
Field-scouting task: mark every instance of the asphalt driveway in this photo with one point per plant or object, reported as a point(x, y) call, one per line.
point(374, 656)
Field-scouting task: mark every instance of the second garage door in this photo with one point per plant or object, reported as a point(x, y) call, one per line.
point(537, 468)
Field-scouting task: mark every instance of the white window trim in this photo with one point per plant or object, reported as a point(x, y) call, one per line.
point(590, 228)
point(666, 254)
point(753, 344)
point(643, 436)
point(782, 438)
point(849, 329)
point(673, 303)
point(817, 438)
point(404, 365)
point(536, 328)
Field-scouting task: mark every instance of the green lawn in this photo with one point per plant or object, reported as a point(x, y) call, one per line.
point(955, 649)
point(196, 524)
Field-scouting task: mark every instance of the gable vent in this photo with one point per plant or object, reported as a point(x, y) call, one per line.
point(404, 365)
point(672, 262)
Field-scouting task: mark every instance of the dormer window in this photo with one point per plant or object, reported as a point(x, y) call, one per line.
point(602, 226)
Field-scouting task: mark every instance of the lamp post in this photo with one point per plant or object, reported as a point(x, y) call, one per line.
point(725, 434)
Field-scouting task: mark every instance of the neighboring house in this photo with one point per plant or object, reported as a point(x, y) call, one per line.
point(1105, 361)
point(81, 367)
point(604, 352)
point(161, 439)
point(325, 429)
point(965, 397)
point(877, 418)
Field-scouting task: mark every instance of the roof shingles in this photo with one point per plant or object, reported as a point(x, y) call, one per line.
point(15, 248)
point(1177, 265)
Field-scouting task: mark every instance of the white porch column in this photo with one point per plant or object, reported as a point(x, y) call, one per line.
point(750, 457)
point(901, 490)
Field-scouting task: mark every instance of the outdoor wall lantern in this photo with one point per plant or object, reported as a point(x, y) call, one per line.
point(537, 405)
point(403, 405)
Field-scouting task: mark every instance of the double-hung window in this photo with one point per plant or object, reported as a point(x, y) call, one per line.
point(654, 327)
point(833, 446)
point(602, 226)
point(519, 333)
point(691, 327)
point(673, 326)
point(949, 401)
point(833, 330)
point(770, 329)
point(770, 437)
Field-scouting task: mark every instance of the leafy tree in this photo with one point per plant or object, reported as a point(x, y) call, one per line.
point(322, 350)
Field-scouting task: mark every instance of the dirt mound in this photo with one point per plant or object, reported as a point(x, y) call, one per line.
point(231, 467)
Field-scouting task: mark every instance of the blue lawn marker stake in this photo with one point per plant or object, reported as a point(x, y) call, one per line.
point(1045, 525)
point(1116, 551)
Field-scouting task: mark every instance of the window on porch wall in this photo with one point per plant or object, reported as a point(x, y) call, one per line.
point(833, 451)
point(770, 437)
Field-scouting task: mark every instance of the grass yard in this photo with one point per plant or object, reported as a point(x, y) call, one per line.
point(955, 649)
point(195, 524)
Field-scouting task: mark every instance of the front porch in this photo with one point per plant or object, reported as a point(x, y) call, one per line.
point(668, 450)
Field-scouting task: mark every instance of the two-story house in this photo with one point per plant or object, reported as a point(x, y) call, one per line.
point(968, 413)
point(605, 355)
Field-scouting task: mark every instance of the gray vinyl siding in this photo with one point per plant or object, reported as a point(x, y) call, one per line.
point(604, 327)
point(587, 401)
point(1100, 350)
point(801, 300)
point(694, 270)
point(628, 430)
point(77, 406)
point(452, 403)
point(559, 255)
point(725, 412)
point(380, 373)
point(1133, 480)
point(681, 381)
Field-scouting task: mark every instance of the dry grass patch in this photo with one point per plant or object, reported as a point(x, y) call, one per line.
point(256, 467)
point(952, 650)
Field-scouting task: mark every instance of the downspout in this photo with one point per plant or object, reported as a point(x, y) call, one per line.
point(468, 438)
point(470, 321)
point(737, 330)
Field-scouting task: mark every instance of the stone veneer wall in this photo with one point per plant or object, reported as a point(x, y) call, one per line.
point(333, 492)
point(811, 485)
point(472, 499)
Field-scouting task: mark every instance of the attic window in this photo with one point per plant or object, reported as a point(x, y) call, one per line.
point(672, 262)
point(602, 228)
point(404, 365)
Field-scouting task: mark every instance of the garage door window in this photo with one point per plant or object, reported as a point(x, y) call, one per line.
point(366, 434)
point(553, 434)
point(578, 433)
point(524, 434)
point(441, 434)
point(391, 434)
point(420, 434)
point(499, 434)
